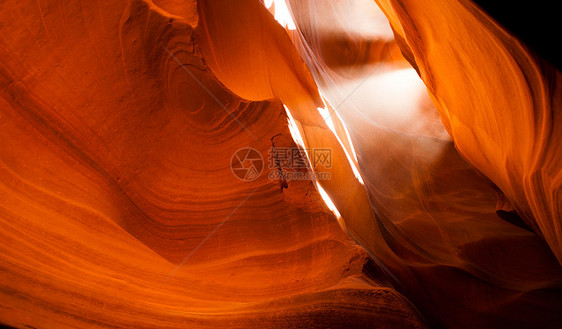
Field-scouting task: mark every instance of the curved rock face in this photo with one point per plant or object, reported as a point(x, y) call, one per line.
point(523, 124)
point(433, 210)
point(143, 182)
point(119, 206)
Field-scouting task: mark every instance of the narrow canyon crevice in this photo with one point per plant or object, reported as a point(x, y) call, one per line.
point(277, 164)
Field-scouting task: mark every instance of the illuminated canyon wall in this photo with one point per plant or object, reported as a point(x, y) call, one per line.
point(126, 125)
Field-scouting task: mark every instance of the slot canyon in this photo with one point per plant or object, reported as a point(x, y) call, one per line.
point(280, 164)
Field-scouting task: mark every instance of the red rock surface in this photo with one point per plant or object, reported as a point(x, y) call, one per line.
point(460, 263)
point(119, 207)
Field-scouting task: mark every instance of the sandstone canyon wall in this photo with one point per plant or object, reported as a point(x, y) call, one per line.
point(119, 201)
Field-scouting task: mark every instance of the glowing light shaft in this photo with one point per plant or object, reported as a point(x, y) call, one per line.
point(327, 115)
point(282, 14)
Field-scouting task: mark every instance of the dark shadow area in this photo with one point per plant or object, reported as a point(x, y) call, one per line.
point(536, 23)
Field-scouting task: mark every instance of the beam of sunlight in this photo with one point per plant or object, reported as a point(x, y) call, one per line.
point(297, 137)
point(294, 129)
point(330, 204)
point(328, 113)
point(281, 13)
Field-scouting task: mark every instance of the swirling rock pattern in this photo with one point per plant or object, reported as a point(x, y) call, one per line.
point(119, 207)
point(118, 204)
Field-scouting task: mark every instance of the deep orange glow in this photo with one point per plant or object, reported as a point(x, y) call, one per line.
point(276, 164)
